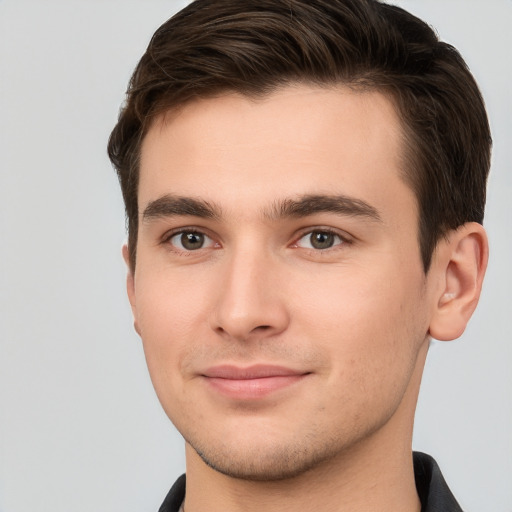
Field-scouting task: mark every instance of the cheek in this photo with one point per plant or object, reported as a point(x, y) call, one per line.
point(363, 321)
point(169, 304)
point(370, 339)
point(171, 316)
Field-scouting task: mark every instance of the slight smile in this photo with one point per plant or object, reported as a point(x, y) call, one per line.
point(253, 382)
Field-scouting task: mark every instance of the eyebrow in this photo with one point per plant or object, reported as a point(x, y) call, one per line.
point(174, 206)
point(312, 204)
point(304, 206)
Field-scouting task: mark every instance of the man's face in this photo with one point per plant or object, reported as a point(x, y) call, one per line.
point(279, 290)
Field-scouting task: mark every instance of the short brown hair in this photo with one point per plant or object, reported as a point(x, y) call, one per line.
point(254, 46)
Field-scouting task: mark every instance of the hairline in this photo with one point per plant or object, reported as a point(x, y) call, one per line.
point(408, 159)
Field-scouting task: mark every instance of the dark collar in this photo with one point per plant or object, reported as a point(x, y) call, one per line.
point(435, 496)
point(175, 497)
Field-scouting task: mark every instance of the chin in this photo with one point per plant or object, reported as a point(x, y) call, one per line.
point(272, 462)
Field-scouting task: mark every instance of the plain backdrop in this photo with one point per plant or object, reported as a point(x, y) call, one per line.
point(80, 427)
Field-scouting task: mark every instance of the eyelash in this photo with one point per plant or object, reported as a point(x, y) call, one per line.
point(343, 240)
point(166, 240)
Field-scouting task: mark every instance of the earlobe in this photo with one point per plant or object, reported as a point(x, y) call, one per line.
point(130, 286)
point(461, 260)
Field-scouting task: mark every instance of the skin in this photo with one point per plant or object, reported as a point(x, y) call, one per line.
point(352, 321)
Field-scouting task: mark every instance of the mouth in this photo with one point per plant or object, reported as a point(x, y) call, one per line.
point(251, 383)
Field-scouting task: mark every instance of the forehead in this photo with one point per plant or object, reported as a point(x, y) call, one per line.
point(297, 140)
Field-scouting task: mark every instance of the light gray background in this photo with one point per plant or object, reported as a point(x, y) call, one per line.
point(81, 429)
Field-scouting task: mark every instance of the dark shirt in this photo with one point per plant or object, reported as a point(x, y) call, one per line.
point(434, 494)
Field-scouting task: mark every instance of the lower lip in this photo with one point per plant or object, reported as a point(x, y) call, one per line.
point(251, 389)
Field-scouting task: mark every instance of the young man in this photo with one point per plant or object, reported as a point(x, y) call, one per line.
point(304, 184)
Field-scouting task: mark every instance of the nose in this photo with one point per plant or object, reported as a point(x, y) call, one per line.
point(251, 298)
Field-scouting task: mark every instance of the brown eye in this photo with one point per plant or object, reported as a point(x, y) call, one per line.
point(320, 240)
point(190, 241)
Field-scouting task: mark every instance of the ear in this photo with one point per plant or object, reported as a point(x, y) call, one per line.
point(460, 261)
point(130, 286)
